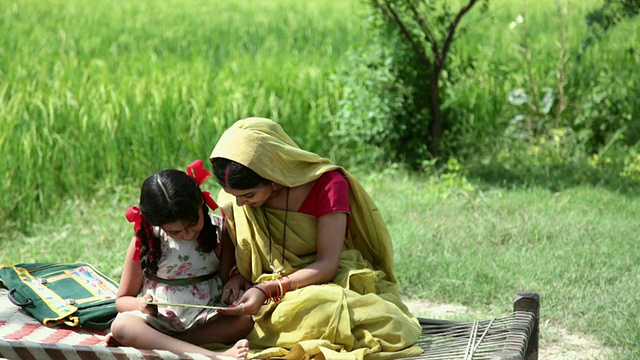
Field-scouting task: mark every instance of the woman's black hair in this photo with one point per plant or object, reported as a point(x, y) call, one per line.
point(169, 196)
point(234, 175)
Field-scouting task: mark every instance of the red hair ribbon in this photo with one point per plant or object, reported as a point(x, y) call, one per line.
point(134, 216)
point(197, 171)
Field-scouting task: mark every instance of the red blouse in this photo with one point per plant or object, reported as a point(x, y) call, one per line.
point(329, 194)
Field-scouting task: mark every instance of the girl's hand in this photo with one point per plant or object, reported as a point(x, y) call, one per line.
point(233, 289)
point(148, 308)
point(249, 304)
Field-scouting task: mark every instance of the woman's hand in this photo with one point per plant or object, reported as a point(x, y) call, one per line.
point(249, 304)
point(233, 289)
point(148, 308)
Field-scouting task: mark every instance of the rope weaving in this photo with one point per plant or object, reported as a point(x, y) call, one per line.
point(441, 340)
point(476, 340)
point(29, 350)
point(22, 337)
point(516, 335)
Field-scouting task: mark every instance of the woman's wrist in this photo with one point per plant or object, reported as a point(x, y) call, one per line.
point(234, 271)
point(274, 290)
point(264, 292)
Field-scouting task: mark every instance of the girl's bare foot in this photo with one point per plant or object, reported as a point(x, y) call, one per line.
point(238, 351)
point(111, 341)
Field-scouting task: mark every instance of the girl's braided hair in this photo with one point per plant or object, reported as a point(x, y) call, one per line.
point(169, 196)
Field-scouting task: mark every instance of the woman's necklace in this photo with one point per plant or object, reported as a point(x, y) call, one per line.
point(284, 236)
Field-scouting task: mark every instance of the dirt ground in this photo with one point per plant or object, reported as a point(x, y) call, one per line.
point(556, 343)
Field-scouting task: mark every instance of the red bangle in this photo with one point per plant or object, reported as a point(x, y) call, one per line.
point(234, 271)
point(267, 298)
point(288, 283)
point(278, 291)
point(266, 285)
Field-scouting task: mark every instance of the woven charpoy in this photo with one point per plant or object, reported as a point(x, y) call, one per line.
point(476, 340)
point(16, 325)
point(24, 338)
point(28, 350)
point(440, 340)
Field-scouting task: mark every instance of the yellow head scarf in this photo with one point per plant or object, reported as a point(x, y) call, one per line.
point(262, 145)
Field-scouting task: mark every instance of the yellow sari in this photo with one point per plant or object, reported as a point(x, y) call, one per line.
point(360, 314)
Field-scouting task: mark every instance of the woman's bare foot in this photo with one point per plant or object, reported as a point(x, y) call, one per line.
point(239, 350)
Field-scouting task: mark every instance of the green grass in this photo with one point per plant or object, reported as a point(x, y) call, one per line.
point(577, 248)
point(93, 95)
point(600, 80)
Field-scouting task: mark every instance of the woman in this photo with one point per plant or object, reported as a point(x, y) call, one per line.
point(313, 246)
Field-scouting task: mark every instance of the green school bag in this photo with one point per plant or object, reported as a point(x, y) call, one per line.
point(72, 294)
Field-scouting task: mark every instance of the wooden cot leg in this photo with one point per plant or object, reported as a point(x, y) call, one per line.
point(530, 302)
point(506, 355)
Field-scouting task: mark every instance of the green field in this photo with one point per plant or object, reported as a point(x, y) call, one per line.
point(95, 96)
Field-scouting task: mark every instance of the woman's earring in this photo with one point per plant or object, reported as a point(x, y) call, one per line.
point(274, 186)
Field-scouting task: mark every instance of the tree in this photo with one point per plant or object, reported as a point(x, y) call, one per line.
point(608, 16)
point(429, 29)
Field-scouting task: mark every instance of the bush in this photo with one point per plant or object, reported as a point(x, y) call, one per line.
point(371, 117)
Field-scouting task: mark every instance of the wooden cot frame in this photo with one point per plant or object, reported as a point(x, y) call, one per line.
point(513, 337)
point(521, 335)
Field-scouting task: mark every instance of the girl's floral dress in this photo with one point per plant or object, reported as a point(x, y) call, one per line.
point(183, 259)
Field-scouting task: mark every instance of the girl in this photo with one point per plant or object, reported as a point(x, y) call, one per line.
point(173, 258)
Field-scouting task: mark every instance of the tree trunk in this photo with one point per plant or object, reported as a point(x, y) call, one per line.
point(435, 127)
